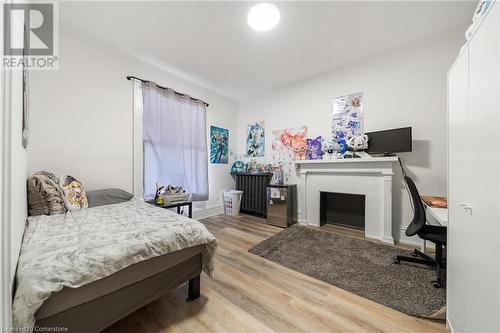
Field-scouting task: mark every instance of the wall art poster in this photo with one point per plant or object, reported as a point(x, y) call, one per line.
point(255, 139)
point(219, 145)
point(289, 144)
point(347, 112)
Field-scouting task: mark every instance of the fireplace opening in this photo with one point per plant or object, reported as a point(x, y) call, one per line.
point(343, 209)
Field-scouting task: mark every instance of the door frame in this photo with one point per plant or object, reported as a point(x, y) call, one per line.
point(6, 284)
point(5, 199)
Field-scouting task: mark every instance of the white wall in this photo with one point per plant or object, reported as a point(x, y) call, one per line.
point(406, 87)
point(81, 119)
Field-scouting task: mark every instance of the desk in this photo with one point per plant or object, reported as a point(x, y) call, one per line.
point(177, 205)
point(435, 216)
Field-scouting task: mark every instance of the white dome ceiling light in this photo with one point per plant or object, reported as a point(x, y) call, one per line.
point(263, 16)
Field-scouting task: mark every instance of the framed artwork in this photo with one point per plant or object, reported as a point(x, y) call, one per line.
point(219, 145)
point(289, 144)
point(347, 116)
point(256, 139)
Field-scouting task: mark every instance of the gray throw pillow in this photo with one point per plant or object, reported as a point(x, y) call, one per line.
point(107, 196)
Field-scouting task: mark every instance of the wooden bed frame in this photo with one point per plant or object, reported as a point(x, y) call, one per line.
point(97, 305)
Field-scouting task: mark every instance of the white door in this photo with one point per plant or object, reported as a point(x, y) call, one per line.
point(459, 181)
point(482, 225)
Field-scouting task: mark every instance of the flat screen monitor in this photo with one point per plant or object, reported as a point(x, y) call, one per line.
point(391, 141)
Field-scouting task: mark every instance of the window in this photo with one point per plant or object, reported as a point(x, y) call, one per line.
point(174, 142)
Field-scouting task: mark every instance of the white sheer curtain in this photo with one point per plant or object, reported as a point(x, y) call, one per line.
point(138, 141)
point(175, 142)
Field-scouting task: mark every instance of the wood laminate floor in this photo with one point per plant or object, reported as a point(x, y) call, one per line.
point(251, 294)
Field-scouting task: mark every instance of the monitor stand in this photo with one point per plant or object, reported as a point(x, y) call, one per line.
point(383, 155)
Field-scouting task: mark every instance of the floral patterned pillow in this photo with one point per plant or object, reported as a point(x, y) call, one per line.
point(74, 193)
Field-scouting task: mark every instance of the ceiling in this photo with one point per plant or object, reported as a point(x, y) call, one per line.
point(211, 43)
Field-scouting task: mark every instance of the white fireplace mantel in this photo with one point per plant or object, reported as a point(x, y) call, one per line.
point(368, 176)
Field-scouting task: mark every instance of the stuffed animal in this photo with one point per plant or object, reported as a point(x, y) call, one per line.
point(238, 166)
point(299, 147)
point(314, 151)
point(342, 148)
point(358, 142)
point(329, 146)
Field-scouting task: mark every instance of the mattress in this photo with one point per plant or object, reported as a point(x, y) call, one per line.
point(69, 298)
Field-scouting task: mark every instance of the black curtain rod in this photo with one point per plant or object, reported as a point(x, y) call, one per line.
point(166, 88)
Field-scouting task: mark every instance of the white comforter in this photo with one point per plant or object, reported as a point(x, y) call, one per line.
point(80, 247)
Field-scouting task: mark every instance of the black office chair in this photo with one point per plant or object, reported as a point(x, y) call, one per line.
point(434, 234)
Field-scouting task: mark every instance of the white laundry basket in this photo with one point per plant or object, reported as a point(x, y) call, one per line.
point(232, 201)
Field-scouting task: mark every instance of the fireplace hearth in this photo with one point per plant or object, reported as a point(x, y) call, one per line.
point(368, 176)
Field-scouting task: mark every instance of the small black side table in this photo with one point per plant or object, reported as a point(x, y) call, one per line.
point(177, 205)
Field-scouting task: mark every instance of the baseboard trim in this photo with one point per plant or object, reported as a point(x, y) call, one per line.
point(205, 212)
point(405, 240)
point(448, 325)
point(387, 240)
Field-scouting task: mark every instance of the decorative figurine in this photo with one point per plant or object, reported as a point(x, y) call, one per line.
point(277, 178)
point(252, 167)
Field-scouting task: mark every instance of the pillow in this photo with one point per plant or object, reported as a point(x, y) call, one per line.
point(74, 193)
point(45, 197)
point(107, 196)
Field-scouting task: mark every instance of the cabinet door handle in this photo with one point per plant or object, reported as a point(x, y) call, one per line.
point(467, 208)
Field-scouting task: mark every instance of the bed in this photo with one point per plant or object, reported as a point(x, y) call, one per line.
point(86, 269)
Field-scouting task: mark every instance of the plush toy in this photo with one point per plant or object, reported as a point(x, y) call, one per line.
point(299, 147)
point(358, 142)
point(314, 151)
point(238, 166)
point(329, 146)
point(342, 148)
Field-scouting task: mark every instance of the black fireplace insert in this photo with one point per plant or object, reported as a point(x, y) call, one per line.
point(342, 209)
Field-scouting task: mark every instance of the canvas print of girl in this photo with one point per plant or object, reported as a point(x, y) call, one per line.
point(255, 139)
point(219, 145)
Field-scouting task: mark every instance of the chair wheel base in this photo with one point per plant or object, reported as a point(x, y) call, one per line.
point(436, 284)
point(396, 262)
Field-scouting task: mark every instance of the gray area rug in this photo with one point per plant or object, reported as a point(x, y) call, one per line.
point(359, 266)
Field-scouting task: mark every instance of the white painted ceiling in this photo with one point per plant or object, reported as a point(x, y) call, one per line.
point(211, 43)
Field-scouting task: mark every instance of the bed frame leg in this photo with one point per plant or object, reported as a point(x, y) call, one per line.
point(194, 288)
